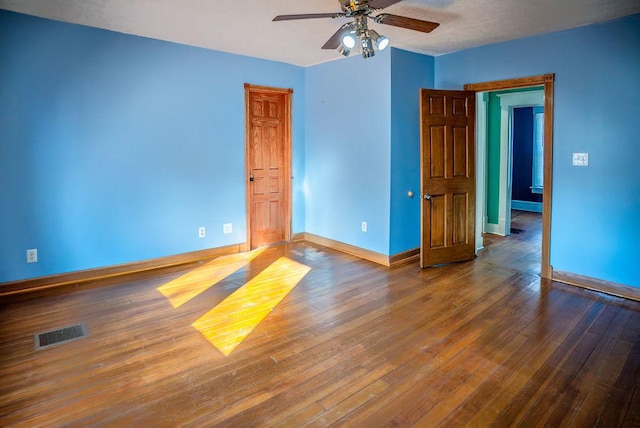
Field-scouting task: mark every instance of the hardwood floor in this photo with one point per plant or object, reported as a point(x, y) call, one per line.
point(520, 250)
point(482, 343)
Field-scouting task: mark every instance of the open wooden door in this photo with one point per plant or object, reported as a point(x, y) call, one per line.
point(447, 151)
point(268, 164)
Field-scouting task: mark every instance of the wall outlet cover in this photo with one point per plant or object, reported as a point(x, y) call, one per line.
point(32, 255)
point(227, 228)
point(202, 232)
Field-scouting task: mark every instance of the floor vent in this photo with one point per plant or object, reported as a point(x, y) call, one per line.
point(55, 337)
point(516, 231)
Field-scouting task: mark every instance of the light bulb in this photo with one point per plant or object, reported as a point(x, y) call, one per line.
point(349, 40)
point(382, 42)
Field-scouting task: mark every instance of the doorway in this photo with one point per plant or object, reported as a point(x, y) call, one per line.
point(268, 165)
point(547, 83)
point(505, 135)
point(527, 172)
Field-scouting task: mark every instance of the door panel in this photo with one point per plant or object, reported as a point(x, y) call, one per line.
point(437, 159)
point(460, 219)
point(460, 154)
point(268, 165)
point(437, 217)
point(447, 176)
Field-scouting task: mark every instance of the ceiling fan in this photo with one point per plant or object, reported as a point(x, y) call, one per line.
point(360, 10)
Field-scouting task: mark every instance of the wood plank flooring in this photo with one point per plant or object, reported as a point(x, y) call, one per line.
point(481, 343)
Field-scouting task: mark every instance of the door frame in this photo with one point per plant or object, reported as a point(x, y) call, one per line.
point(547, 81)
point(287, 170)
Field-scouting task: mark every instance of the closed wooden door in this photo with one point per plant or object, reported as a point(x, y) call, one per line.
point(447, 176)
point(268, 165)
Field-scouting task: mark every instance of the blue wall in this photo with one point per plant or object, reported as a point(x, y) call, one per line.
point(409, 73)
point(116, 148)
point(348, 131)
point(595, 226)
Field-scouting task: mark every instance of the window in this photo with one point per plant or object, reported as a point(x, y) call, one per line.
point(538, 150)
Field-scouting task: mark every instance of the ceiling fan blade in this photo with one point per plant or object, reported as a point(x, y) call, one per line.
point(381, 4)
point(404, 22)
point(309, 16)
point(336, 39)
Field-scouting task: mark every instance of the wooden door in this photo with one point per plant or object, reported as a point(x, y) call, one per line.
point(268, 165)
point(448, 184)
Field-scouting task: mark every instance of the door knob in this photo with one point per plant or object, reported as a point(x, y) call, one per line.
point(250, 177)
point(427, 197)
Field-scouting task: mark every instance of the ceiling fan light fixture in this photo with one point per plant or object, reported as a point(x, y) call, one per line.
point(367, 47)
point(380, 40)
point(344, 50)
point(349, 39)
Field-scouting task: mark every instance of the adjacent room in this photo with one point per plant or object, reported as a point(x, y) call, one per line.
point(414, 213)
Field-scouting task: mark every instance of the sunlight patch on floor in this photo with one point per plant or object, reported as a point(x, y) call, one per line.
point(231, 321)
point(184, 288)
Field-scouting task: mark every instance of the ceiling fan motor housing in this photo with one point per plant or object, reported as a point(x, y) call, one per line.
point(351, 7)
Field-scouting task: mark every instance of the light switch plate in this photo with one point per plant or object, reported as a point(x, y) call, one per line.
point(227, 228)
point(581, 159)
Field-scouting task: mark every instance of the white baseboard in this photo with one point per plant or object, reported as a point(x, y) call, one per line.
point(492, 228)
point(497, 229)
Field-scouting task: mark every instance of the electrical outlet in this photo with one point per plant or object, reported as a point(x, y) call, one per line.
point(32, 255)
point(227, 228)
point(202, 232)
point(364, 226)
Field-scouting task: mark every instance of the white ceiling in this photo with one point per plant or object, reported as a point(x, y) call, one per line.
point(245, 27)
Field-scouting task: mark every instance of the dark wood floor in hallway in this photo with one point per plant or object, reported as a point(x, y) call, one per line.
point(314, 337)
